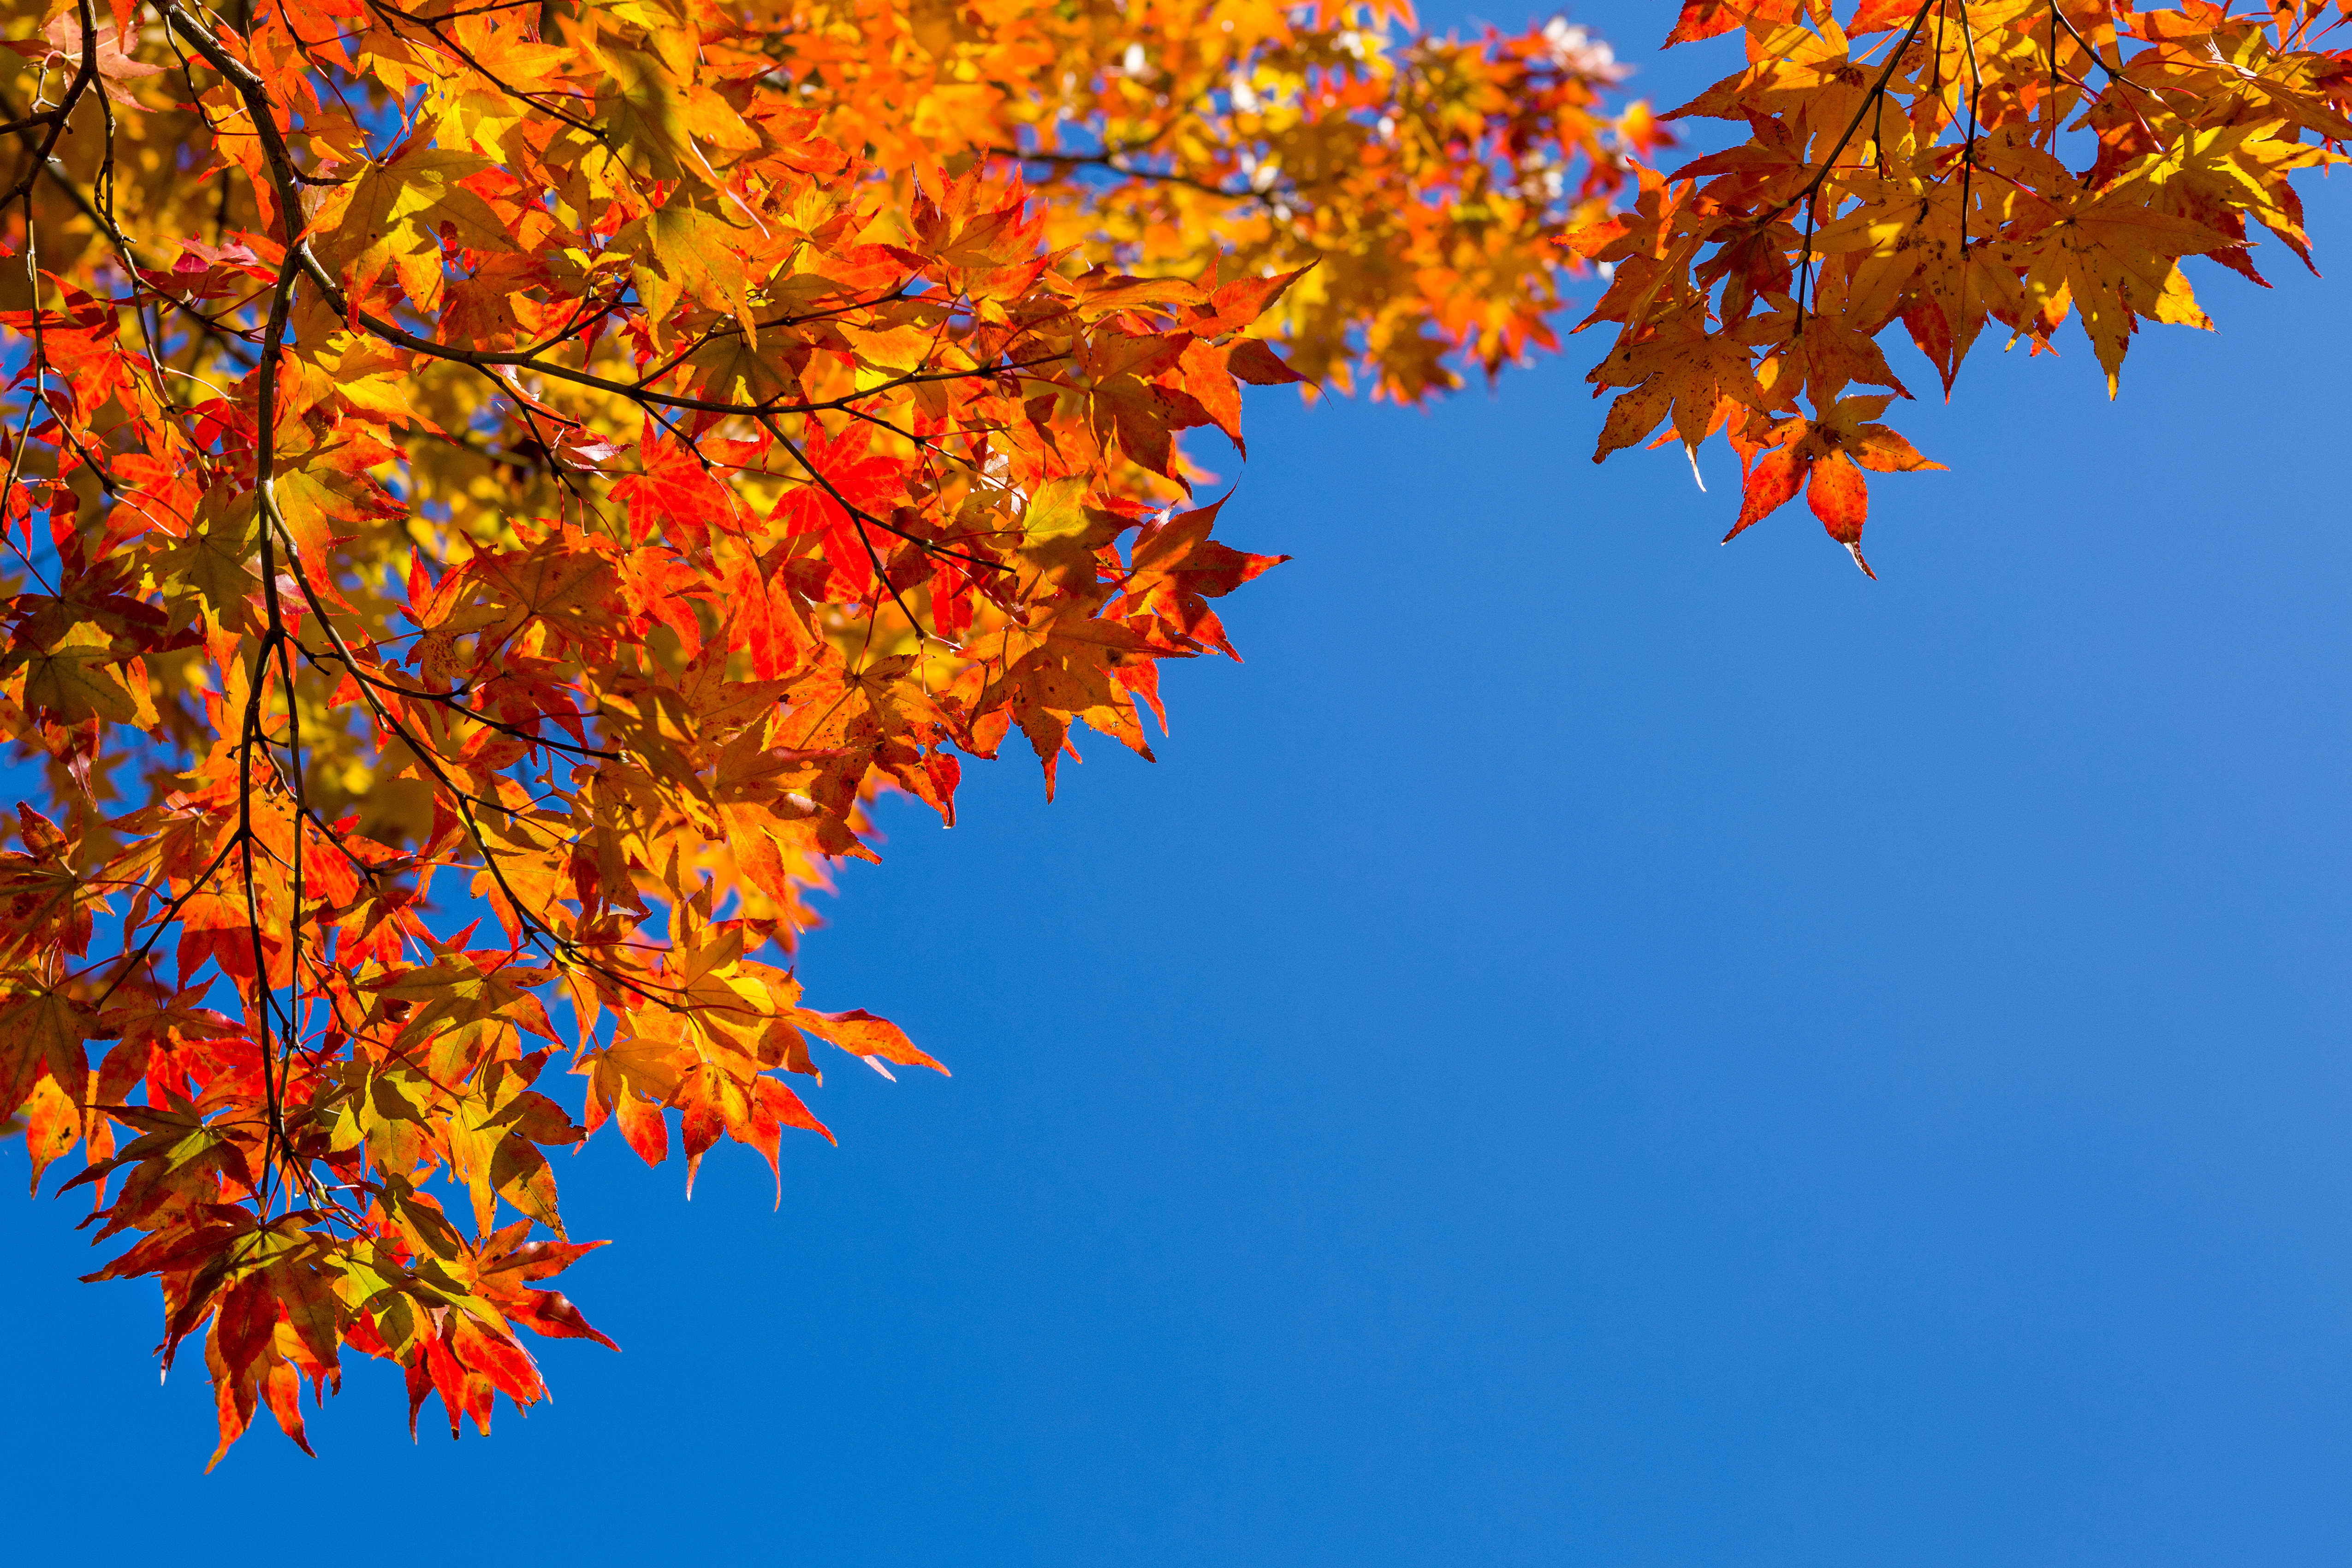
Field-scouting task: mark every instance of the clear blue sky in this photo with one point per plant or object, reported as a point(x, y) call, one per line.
point(1589, 1048)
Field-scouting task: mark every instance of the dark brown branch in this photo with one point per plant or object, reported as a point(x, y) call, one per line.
point(56, 117)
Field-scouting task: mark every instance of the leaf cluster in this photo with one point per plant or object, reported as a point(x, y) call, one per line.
point(490, 493)
point(1943, 166)
point(1427, 181)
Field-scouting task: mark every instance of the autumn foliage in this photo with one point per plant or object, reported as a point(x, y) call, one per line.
point(1939, 167)
point(493, 491)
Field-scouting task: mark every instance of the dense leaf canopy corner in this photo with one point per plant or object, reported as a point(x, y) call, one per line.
point(492, 493)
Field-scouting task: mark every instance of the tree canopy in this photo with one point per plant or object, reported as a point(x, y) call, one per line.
point(494, 492)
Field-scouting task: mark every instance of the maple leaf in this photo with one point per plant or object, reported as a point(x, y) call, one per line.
point(117, 67)
point(389, 217)
point(44, 903)
point(69, 680)
point(862, 1034)
point(675, 489)
point(848, 483)
point(1677, 369)
point(1705, 19)
point(1824, 457)
point(41, 1041)
point(2115, 258)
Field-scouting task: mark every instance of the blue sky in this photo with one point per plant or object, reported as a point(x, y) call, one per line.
point(1589, 1048)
